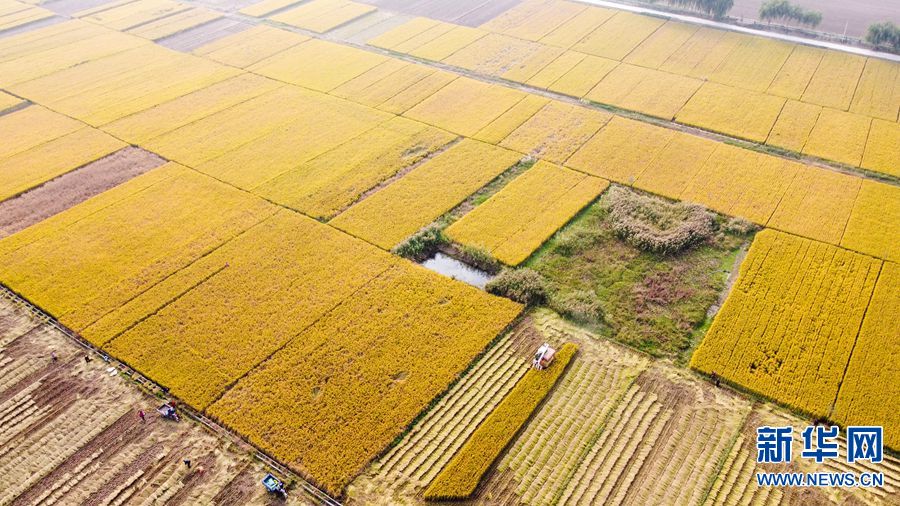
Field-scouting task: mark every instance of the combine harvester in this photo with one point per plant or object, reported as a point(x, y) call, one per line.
point(544, 357)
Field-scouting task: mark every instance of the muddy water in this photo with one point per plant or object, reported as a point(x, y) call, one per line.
point(453, 268)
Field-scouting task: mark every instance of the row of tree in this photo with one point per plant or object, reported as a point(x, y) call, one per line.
point(885, 34)
point(714, 8)
point(786, 12)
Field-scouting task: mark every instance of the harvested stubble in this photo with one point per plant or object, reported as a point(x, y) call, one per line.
point(788, 327)
point(556, 131)
point(395, 212)
point(403, 338)
point(517, 220)
point(874, 223)
point(461, 476)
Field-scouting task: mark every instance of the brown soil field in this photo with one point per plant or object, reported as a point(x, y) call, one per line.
point(74, 187)
point(70, 433)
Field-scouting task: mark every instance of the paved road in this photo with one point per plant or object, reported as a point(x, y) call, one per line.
point(850, 17)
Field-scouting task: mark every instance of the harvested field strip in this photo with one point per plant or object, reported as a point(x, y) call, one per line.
point(333, 181)
point(74, 187)
point(462, 474)
point(420, 330)
point(83, 273)
point(758, 339)
point(44, 162)
point(517, 220)
point(871, 381)
point(411, 201)
point(875, 221)
point(321, 16)
point(247, 47)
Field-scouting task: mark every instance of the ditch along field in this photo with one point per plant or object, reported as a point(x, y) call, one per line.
point(247, 268)
point(815, 102)
point(70, 432)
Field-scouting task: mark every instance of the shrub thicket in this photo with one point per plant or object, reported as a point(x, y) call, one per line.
point(521, 285)
point(885, 34)
point(422, 245)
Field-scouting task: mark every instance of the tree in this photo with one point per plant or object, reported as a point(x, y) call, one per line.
point(785, 11)
point(714, 8)
point(885, 34)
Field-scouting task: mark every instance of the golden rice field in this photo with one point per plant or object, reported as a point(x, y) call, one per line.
point(255, 274)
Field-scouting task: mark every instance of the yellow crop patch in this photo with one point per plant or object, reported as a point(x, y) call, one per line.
point(331, 182)
point(702, 54)
point(835, 80)
point(416, 93)
point(81, 266)
point(318, 65)
point(32, 126)
point(582, 78)
point(28, 14)
point(448, 43)
point(465, 106)
point(287, 265)
point(425, 37)
point(170, 25)
point(374, 90)
point(461, 476)
point(753, 64)
point(132, 14)
point(789, 325)
point(8, 101)
point(869, 392)
point(414, 331)
point(619, 35)
point(613, 153)
point(797, 71)
point(741, 113)
point(670, 171)
point(397, 211)
point(150, 123)
point(504, 56)
point(741, 183)
point(538, 19)
point(649, 91)
point(393, 38)
point(514, 222)
point(878, 92)
point(793, 126)
point(266, 7)
point(657, 48)
point(556, 131)
point(510, 120)
point(46, 161)
point(817, 204)
point(321, 16)
point(883, 148)
point(572, 31)
point(875, 221)
point(556, 69)
point(250, 46)
point(839, 136)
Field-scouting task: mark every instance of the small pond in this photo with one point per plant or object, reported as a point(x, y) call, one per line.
point(453, 268)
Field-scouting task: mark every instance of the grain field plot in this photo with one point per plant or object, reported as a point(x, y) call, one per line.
point(702, 54)
point(317, 64)
point(400, 209)
point(659, 46)
point(753, 64)
point(742, 113)
point(384, 82)
point(331, 182)
point(556, 131)
point(619, 35)
point(266, 7)
point(835, 80)
point(673, 168)
point(287, 265)
point(74, 187)
point(32, 126)
point(788, 327)
point(817, 204)
point(321, 16)
point(448, 43)
point(584, 76)
point(839, 136)
point(514, 222)
point(735, 482)
point(875, 221)
point(426, 37)
point(425, 450)
point(578, 27)
point(416, 93)
point(644, 90)
point(396, 36)
point(871, 384)
point(504, 56)
point(132, 14)
point(92, 258)
point(794, 76)
point(177, 23)
point(613, 153)
point(251, 46)
point(28, 169)
point(510, 120)
point(661, 443)
point(465, 106)
point(8, 101)
point(29, 14)
point(415, 331)
point(878, 92)
point(883, 148)
point(793, 126)
point(71, 434)
point(534, 20)
point(556, 69)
